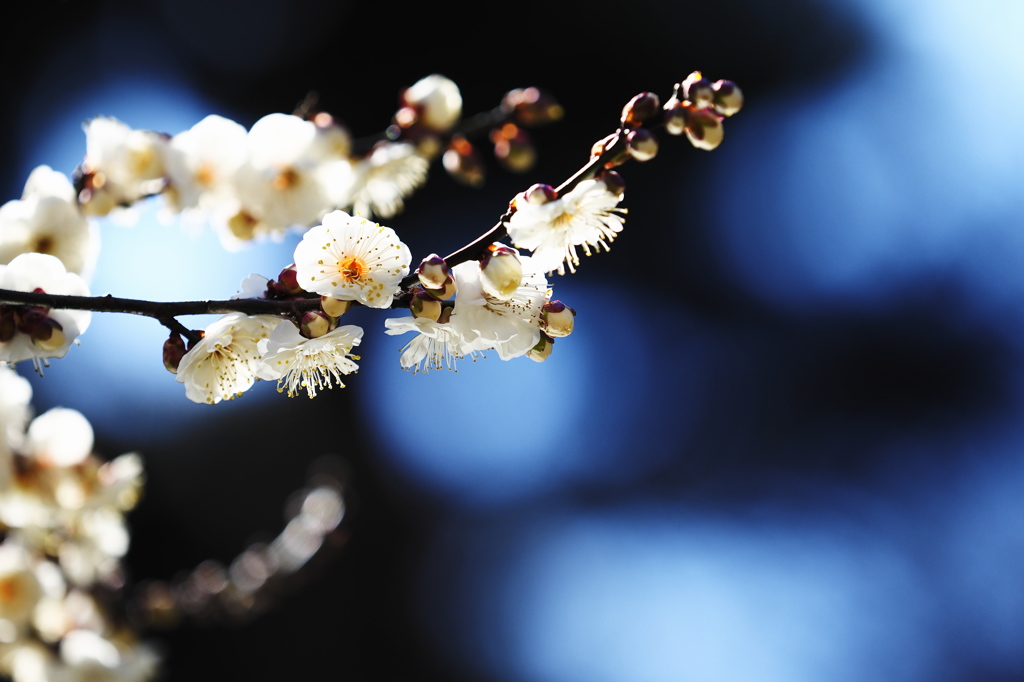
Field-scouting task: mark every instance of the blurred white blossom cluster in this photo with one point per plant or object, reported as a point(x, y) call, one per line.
point(64, 535)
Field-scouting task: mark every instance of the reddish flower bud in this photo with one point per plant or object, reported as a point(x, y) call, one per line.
point(728, 97)
point(463, 162)
point(315, 324)
point(433, 272)
point(501, 273)
point(614, 182)
point(697, 89)
point(705, 129)
point(541, 194)
point(676, 119)
point(445, 292)
point(640, 109)
point(643, 145)
point(558, 319)
point(174, 351)
point(425, 305)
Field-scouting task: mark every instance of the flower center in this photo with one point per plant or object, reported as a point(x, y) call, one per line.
point(352, 269)
point(285, 179)
point(562, 220)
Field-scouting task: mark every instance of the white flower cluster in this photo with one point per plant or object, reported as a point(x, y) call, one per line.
point(285, 172)
point(37, 333)
point(63, 534)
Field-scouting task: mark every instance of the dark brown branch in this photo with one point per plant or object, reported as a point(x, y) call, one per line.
point(162, 311)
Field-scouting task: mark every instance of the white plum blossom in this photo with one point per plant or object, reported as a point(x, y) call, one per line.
point(438, 100)
point(28, 333)
point(47, 219)
point(223, 364)
point(510, 326)
point(352, 259)
point(588, 215)
point(201, 164)
point(437, 345)
point(20, 590)
point(382, 181)
point(122, 165)
point(290, 177)
point(60, 437)
point(296, 362)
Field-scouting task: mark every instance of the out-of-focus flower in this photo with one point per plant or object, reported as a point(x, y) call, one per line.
point(60, 437)
point(201, 164)
point(121, 165)
point(510, 326)
point(38, 333)
point(437, 101)
point(352, 259)
point(383, 180)
point(586, 216)
point(47, 220)
point(19, 587)
point(296, 362)
point(15, 411)
point(223, 364)
point(287, 178)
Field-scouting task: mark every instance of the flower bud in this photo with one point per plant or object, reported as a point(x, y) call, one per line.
point(698, 90)
point(613, 151)
point(463, 163)
point(501, 273)
point(643, 145)
point(614, 182)
point(513, 148)
point(174, 351)
point(532, 106)
point(425, 305)
point(438, 101)
point(728, 97)
point(558, 319)
point(540, 194)
point(640, 109)
point(315, 324)
point(676, 119)
point(47, 334)
point(705, 129)
point(433, 272)
point(444, 292)
point(334, 307)
point(542, 350)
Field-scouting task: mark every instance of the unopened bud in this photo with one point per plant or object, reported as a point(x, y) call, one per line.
point(288, 282)
point(558, 318)
point(174, 351)
point(612, 151)
point(640, 109)
point(643, 145)
point(48, 334)
point(613, 182)
point(541, 194)
point(433, 272)
point(676, 119)
point(532, 106)
point(728, 97)
point(463, 162)
point(697, 89)
point(315, 324)
point(438, 100)
point(542, 350)
point(705, 130)
point(445, 292)
point(501, 273)
point(513, 148)
point(334, 307)
point(425, 305)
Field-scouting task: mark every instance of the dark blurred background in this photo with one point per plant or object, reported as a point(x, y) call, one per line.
point(785, 441)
